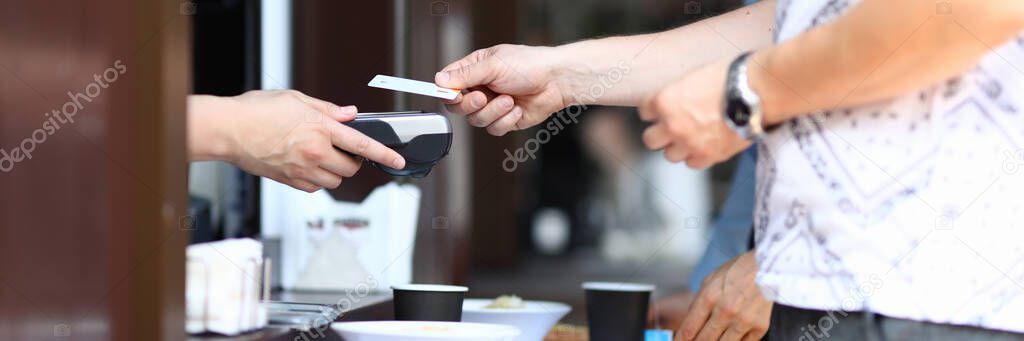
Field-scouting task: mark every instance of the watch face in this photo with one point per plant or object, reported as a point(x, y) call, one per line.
point(742, 116)
point(738, 112)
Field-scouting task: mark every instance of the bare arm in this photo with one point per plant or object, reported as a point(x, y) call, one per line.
point(511, 87)
point(657, 59)
point(878, 50)
point(283, 135)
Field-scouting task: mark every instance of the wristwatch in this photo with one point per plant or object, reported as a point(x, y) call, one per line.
point(743, 112)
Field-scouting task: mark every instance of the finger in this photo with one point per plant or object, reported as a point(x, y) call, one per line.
point(761, 315)
point(321, 177)
point(506, 123)
point(676, 153)
point(656, 137)
point(335, 112)
point(353, 141)
point(735, 332)
point(345, 113)
point(482, 72)
point(714, 327)
point(698, 162)
point(754, 336)
point(491, 112)
point(697, 317)
point(647, 115)
point(471, 58)
point(468, 104)
point(699, 156)
point(755, 328)
point(341, 164)
point(646, 112)
point(299, 184)
point(698, 159)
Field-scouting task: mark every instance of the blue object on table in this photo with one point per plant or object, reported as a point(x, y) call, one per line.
point(658, 335)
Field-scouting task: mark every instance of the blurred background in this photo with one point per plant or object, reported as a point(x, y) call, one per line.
point(111, 203)
point(592, 204)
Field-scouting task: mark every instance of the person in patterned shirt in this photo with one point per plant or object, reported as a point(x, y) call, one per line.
point(889, 146)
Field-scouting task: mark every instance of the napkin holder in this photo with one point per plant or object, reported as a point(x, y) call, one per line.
point(226, 287)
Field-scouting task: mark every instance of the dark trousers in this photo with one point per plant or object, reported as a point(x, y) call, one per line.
point(797, 324)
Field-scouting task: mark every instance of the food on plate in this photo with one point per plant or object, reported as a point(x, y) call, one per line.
point(565, 332)
point(506, 302)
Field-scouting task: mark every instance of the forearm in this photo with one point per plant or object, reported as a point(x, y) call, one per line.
point(208, 127)
point(630, 68)
point(878, 50)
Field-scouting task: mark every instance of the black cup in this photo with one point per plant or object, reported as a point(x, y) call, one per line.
point(428, 302)
point(617, 311)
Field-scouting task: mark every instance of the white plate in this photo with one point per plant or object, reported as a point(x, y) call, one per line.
point(534, 319)
point(423, 331)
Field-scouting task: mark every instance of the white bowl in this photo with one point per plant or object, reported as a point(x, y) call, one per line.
point(534, 319)
point(423, 331)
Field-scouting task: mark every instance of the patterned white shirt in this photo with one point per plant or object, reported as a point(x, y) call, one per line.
point(912, 208)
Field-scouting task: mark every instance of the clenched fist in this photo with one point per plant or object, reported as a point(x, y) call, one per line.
point(688, 121)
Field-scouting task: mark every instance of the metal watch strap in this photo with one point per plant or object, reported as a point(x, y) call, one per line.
point(740, 96)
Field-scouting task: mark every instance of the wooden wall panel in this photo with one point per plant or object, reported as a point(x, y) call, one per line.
point(90, 246)
point(496, 220)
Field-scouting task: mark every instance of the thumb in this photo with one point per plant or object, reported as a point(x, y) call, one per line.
point(477, 74)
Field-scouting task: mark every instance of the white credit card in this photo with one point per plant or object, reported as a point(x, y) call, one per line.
point(412, 86)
